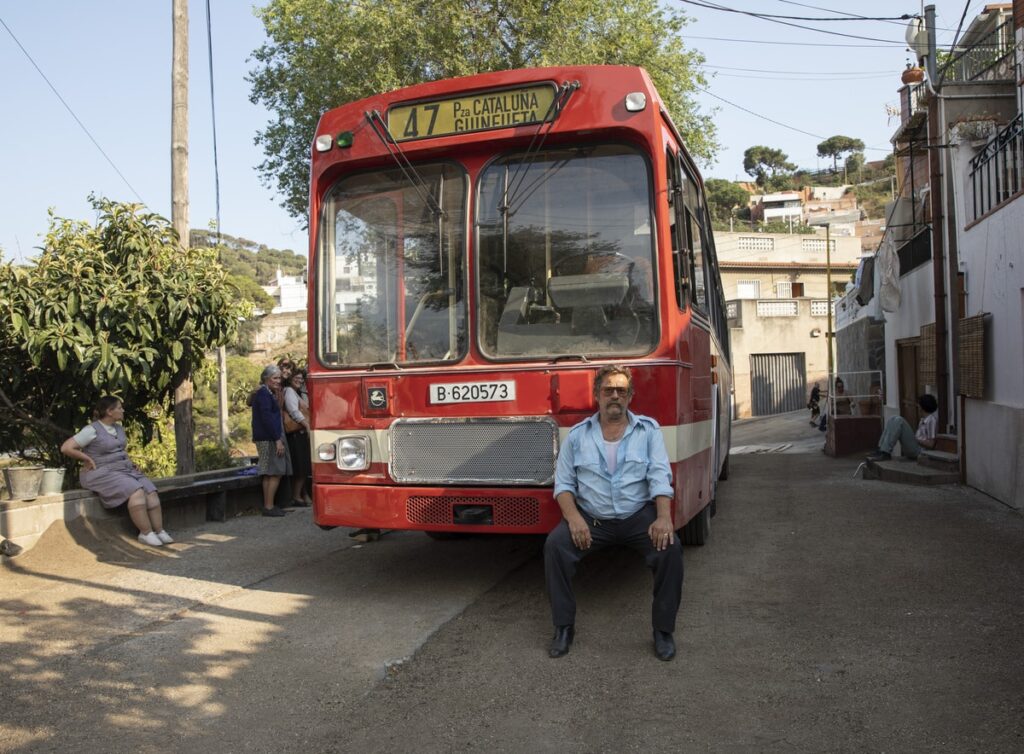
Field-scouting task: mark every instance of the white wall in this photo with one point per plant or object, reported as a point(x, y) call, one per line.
point(991, 260)
point(917, 308)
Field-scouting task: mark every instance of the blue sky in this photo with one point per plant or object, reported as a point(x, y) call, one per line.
point(110, 61)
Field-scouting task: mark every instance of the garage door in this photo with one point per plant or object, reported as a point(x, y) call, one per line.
point(778, 383)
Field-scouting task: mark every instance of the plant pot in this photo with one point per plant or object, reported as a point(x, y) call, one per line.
point(23, 481)
point(912, 75)
point(53, 482)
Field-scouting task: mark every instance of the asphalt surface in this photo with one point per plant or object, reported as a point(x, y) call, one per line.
point(826, 613)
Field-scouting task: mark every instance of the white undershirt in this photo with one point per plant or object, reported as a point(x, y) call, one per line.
point(88, 434)
point(611, 454)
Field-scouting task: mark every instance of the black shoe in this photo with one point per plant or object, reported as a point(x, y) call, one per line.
point(664, 645)
point(274, 512)
point(561, 641)
point(299, 504)
point(880, 455)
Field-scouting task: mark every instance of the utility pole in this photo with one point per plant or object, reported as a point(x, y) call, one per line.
point(828, 281)
point(184, 441)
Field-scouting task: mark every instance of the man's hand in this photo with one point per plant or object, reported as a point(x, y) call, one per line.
point(661, 533)
point(579, 531)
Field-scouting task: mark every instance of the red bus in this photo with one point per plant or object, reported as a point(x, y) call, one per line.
point(479, 247)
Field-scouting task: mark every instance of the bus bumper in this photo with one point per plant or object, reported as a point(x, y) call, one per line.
point(480, 510)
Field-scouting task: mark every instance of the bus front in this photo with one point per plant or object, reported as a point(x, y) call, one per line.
point(478, 248)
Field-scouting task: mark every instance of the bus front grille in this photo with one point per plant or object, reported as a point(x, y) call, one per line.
point(507, 451)
point(441, 509)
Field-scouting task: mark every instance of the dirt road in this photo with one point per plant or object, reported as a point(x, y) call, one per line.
point(826, 613)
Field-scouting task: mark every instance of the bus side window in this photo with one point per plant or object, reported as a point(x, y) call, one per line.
point(677, 228)
point(695, 231)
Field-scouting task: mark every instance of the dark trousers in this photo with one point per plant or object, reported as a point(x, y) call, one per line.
point(561, 557)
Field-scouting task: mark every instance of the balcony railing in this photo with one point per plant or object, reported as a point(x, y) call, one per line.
point(988, 59)
point(996, 171)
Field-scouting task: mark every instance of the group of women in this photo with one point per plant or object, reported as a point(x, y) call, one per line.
point(280, 428)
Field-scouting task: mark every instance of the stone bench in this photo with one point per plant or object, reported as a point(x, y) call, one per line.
point(187, 501)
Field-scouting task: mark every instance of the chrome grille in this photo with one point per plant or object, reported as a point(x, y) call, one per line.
point(474, 451)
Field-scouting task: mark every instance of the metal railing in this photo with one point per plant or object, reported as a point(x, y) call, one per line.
point(996, 171)
point(988, 59)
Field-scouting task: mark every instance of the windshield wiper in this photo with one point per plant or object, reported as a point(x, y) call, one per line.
point(558, 103)
point(380, 128)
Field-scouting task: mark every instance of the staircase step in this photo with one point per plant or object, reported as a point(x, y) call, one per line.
point(946, 443)
point(937, 459)
point(908, 472)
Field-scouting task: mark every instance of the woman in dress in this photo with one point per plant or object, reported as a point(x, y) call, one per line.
point(296, 406)
point(107, 471)
point(268, 434)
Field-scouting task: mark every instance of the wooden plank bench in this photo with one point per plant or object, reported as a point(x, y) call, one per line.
point(187, 501)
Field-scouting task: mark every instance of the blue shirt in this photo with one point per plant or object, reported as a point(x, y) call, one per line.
point(642, 469)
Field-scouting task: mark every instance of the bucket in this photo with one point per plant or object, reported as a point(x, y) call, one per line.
point(53, 482)
point(23, 481)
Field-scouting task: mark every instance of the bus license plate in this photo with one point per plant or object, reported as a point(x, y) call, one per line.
point(473, 392)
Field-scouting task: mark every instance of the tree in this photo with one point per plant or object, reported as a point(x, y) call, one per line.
point(724, 197)
point(836, 146)
point(321, 55)
point(767, 166)
point(120, 308)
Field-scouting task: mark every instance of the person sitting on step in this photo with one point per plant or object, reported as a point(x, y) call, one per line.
point(898, 430)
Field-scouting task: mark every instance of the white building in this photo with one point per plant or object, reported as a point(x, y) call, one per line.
point(958, 329)
point(289, 293)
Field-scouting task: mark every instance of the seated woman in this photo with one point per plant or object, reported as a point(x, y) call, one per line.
point(107, 471)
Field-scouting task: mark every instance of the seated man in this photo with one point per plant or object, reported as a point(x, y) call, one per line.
point(613, 484)
point(898, 430)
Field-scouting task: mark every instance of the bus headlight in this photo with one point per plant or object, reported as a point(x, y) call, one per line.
point(353, 454)
point(326, 451)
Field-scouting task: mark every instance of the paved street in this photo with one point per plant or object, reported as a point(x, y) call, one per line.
point(826, 613)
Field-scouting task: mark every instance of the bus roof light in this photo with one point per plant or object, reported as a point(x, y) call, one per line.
point(636, 101)
point(324, 143)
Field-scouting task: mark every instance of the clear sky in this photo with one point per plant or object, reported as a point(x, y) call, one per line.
point(110, 61)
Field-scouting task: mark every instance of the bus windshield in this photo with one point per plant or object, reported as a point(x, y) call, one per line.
point(566, 253)
point(391, 254)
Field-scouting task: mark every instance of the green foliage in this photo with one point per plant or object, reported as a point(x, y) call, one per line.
point(836, 146)
point(117, 308)
point(321, 55)
point(770, 168)
point(725, 198)
point(243, 376)
point(248, 259)
point(778, 226)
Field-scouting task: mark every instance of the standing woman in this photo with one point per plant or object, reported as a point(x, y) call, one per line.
point(268, 434)
point(296, 407)
point(107, 471)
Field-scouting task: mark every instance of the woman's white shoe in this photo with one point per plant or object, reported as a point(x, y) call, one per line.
point(164, 537)
point(150, 538)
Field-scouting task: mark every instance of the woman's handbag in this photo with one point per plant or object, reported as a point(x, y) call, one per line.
point(290, 425)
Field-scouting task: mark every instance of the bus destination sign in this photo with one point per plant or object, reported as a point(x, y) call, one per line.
point(472, 112)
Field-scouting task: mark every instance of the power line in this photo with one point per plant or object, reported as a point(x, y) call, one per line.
point(853, 15)
point(887, 72)
point(807, 76)
point(890, 45)
point(763, 17)
point(72, 112)
point(766, 16)
point(213, 119)
point(777, 123)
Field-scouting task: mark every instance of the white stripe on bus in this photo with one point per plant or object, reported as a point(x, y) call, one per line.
point(682, 441)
